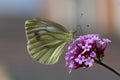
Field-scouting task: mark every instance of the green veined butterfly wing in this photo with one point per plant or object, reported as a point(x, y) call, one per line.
point(47, 40)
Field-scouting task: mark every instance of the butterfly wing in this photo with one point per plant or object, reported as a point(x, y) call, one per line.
point(47, 40)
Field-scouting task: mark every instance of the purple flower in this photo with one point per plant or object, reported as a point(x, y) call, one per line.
point(83, 50)
point(89, 62)
point(101, 42)
point(86, 47)
point(92, 54)
point(107, 40)
point(80, 59)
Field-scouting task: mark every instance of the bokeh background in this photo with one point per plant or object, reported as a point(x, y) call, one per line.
point(87, 16)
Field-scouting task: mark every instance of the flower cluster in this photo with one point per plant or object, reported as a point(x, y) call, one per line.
point(83, 51)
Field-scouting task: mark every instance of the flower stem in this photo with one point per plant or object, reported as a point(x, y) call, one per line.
point(108, 67)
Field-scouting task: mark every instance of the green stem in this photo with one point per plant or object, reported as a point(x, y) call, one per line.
point(108, 67)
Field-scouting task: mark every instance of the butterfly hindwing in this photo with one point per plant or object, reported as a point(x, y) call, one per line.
point(47, 40)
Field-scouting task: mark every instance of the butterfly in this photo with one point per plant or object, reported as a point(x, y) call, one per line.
point(46, 40)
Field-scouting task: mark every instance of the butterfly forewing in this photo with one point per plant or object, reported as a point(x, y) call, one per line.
point(47, 40)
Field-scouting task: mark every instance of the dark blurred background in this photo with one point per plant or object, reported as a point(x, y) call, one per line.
point(88, 16)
